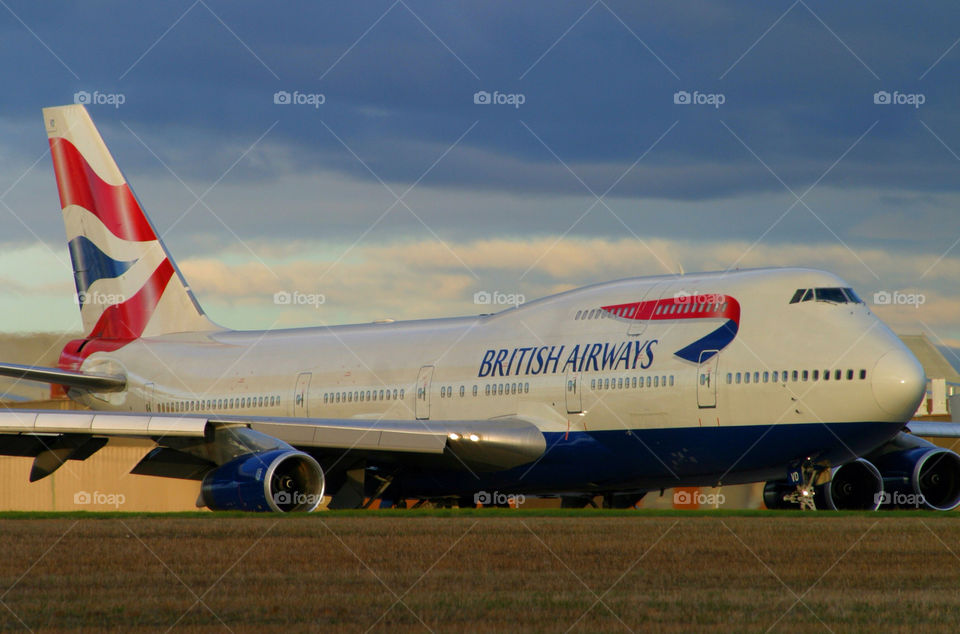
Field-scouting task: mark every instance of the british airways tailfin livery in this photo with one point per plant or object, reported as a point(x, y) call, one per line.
point(781, 376)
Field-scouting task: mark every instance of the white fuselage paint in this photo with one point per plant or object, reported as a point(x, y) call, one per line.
point(205, 372)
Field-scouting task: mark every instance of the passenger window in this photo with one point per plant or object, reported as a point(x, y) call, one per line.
point(526, 388)
point(756, 377)
point(746, 377)
point(826, 375)
point(816, 375)
point(738, 378)
point(656, 381)
point(729, 378)
point(766, 377)
point(775, 378)
point(671, 380)
point(593, 384)
point(794, 376)
point(849, 375)
point(462, 389)
point(806, 375)
point(837, 374)
point(863, 374)
point(486, 390)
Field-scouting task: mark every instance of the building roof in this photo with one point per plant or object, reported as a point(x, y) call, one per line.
point(934, 363)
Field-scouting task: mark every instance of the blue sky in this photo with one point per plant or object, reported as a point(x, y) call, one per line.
point(798, 166)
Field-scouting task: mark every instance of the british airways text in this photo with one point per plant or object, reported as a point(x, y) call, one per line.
point(624, 355)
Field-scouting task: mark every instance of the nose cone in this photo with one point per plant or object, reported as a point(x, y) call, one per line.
point(899, 383)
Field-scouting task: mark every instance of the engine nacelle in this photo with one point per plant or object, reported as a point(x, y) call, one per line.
point(281, 480)
point(853, 486)
point(919, 474)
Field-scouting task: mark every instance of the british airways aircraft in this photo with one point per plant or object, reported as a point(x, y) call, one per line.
point(780, 375)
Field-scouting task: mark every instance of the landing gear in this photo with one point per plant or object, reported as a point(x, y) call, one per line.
point(807, 477)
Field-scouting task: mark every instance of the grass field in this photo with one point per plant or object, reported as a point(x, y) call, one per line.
point(482, 571)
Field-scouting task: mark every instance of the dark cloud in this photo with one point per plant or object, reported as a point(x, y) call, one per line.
point(598, 94)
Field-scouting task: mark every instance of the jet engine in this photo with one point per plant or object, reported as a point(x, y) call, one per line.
point(281, 480)
point(918, 474)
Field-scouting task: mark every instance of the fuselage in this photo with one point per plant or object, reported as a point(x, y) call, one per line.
point(644, 382)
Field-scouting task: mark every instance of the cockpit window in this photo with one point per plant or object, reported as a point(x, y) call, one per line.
point(853, 297)
point(802, 295)
point(831, 295)
point(834, 295)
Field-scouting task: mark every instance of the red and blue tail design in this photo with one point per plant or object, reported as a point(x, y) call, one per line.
point(127, 284)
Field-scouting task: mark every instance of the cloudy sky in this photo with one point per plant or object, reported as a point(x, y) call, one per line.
point(611, 139)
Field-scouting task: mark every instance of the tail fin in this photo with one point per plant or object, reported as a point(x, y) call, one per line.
point(127, 283)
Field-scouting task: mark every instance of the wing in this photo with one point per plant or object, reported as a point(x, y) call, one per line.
point(83, 380)
point(934, 429)
point(52, 437)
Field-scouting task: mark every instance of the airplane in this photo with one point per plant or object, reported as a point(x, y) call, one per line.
point(776, 375)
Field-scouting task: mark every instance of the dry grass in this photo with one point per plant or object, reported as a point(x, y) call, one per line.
point(388, 573)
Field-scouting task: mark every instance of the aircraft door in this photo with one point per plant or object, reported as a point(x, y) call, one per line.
point(422, 405)
point(638, 326)
point(707, 379)
point(574, 399)
point(301, 395)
